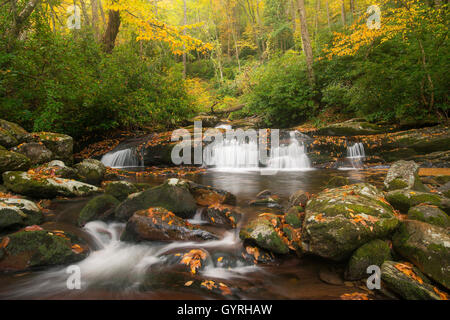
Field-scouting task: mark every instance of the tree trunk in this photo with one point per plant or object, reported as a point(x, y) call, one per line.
point(184, 33)
point(112, 30)
point(306, 42)
point(20, 20)
point(94, 10)
point(328, 16)
point(85, 14)
point(343, 12)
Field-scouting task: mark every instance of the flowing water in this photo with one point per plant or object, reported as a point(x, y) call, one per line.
point(126, 158)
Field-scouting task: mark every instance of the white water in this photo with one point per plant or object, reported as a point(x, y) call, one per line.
point(122, 159)
point(234, 155)
point(120, 264)
point(356, 155)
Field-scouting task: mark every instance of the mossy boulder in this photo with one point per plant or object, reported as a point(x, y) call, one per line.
point(222, 215)
point(11, 134)
point(374, 252)
point(39, 248)
point(354, 127)
point(35, 151)
point(270, 202)
point(159, 224)
point(205, 195)
point(120, 189)
point(445, 190)
point(404, 175)
point(39, 187)
point(91, 171)
point(442, 179)
point(429, 214)
point(60, 144)
point(295, 216)
point(298, 198)
point(99, 208)
point(262, 233)
point(16, 212)
point(173, 195)
point(403, 200)
point(427, 246)
point(337, 181)
point(340, 220)
point(59, 169)
point(411, 286)
point(12, 161)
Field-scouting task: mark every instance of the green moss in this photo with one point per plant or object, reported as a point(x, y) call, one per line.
point(337, 181)
point(399, 201)
point(263, 234)
point(120, 190)
point(430, 215)
point(97, 208)
point(442, 179)
point(397, 184)
point(294, 218)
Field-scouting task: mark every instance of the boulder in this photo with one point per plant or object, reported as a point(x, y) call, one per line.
point(337, 181)
point(403, 200)
point(57, 168)
point(299, 198)
point(404, 175)
point(173, 195)
point(408, 282)
point(19, 212)
point(264, 194)
point(34, 247)
point(91, 171)
point(120, 189)
point(262, 233)
point(340, 220)
point(35, 151)
point(354, 127)
point(374, 252)
point(42, 187)
point(60, 144)
point(295, 216)
point(98, 208)
point(12, 134)
point(427, 246)
point(12, 161)
point(429, 214)
point(159, 224)
point(445, 190)
point(270, 202)
point(222, 215)
point(205, 195)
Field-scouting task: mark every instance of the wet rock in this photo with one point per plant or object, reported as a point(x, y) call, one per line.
point(222, 215)
point(354, 127)
point(264, 194)
point(12, 161)
point(331, 276)
point(404, 175)
point(403, 200)
point(91, 171)
point(18, 212)
point(337, 181)
point(262, 232)
point(159, 224)
point(60, 144)
point(255, 255)
point(98, 208)
point(299, 198)
point(410, 286)
point(39, 248)
point(270, 202)
point(40, 187)
point(427, 246)
point(120, 189)
point(429, 214)
point(295, 216)
point(205, 195)
point(445, 190)
point(338, 221)
point(35, 151)
point(442, 179)
point(12, 134)
point(173, 195)
point(58, 169)
point(374, 252)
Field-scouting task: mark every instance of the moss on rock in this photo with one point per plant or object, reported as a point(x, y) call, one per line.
point(429, 214)
point(120, 189)
point(98, 208)
point(12, 161)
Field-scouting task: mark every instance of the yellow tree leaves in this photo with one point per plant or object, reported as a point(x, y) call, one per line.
point(193, 259)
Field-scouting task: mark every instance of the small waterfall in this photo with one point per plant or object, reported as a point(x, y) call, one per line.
point(123, 158)
point(224, 126)
point(234, 154)
point(356, 155)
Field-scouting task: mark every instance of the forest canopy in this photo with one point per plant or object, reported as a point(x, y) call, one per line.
point(88, 67)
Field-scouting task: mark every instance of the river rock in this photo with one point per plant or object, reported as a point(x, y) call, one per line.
point(41, 187)
point(91, 171)
point(11, 134)
point(299, 198)
point(120, 189)
point(173, 195)
point(35, 151)
point(34, 247)
point(60, 144)
point(262, 233)
point(429, 214)
point(411, 286)
point(445, 190)
point(404, 175)
point(159, 224)
point(374, 252)
point(19, 212)
point(427, 246)
point(270, 202)
point(222, 215)
point(354, 127)
point(295, 216)
point(98, 208)
point(337, 181)
point(12, 161)
point(59, 169)
point(403, 200)
point(340, 220)
point(205, 195)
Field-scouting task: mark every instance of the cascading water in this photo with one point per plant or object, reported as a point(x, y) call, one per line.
point(231, 154)
point(123, 159)
point(356, 155)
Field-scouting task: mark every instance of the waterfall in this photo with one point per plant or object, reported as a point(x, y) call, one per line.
point(123, 158)
point(356, 151)
point(234, 154)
